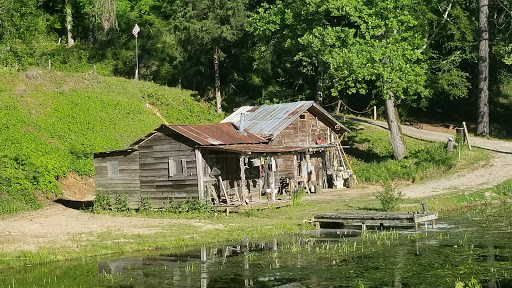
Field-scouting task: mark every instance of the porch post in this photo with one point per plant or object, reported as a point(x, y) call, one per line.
point(199, 172)
point(242, 179)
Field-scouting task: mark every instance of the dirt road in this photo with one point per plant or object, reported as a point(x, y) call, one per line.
point(496, 171)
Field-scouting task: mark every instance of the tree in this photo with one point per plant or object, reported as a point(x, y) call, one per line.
point(204, 25)
point(377, 50)
point(69, 23)
point(483, 69)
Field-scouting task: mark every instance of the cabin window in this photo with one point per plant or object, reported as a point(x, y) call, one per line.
point(177, 167)
point(302, 117)
point(113, 169)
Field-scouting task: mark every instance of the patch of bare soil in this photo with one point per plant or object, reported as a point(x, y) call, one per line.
point(77, 188)
point(57, 225)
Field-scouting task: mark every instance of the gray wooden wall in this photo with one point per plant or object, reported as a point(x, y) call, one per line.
point(127, 179)
point(155, 181)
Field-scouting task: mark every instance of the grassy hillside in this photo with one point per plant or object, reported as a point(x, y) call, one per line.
point(50, 121)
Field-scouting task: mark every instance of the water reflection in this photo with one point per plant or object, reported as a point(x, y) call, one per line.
point(461, 247)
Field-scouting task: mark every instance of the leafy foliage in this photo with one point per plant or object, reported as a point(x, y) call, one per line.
point(145, 204)
point(50, 123)
point(373, 161)
point(121, 203)
point(504, 188)
point(102, 202)
point(390, 198)
point(189, 206)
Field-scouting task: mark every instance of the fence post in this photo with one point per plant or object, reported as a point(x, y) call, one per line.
point(374, 112)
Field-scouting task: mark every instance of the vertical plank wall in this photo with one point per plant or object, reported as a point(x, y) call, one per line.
point(155, 181)
point(127, 179)
point(302, 132)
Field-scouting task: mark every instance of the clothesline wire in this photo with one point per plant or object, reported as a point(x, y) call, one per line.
point(348, 108)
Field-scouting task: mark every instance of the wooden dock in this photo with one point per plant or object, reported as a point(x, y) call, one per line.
point(381, 219)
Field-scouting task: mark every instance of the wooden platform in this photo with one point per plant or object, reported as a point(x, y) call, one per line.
point(380, 219)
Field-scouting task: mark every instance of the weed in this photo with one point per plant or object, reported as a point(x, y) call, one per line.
point(145, 204)
point(389, 198)
point(121, 203)
point(470, 284)
point(504, 188)
point(189, 206)
point(297, 197)
point(102, 202)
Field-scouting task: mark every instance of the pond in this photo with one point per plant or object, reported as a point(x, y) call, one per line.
point(474, 244)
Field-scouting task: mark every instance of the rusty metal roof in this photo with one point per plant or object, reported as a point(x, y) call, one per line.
point(270, 120)
point(216, 134)
point(258, 148)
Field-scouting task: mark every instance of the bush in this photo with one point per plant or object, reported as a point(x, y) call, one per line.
point(190, 206)
point(121, 203)
point(102, 202)
point(389, 198)
point(504, 188)
point(145, 204)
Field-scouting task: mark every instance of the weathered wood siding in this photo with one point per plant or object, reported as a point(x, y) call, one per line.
point(304, 131)
point(155, 180)
point(125, 181)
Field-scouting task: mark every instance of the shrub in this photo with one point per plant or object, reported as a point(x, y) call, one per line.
point(190, 206)
point(102, 202)
point(121, 203)
point(389, 198)
point(145, 204)
point(504, 188)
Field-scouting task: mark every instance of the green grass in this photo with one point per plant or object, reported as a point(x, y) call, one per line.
point(372, 158)
point(51, 122)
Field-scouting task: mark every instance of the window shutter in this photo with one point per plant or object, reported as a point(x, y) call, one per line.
point(172, 167)
point(113, 169)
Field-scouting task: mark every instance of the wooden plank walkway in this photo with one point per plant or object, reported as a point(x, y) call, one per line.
point(380, 219)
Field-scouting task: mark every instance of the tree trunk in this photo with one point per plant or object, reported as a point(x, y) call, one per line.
point(108, 15)
point(69, 21)
point(395, 130)
point(218, 98)
point(483, 67)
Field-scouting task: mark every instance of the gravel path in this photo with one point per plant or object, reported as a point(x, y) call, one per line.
point(498, 170)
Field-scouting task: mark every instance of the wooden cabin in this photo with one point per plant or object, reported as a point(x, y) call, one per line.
point(304, 124)
point(225, 163)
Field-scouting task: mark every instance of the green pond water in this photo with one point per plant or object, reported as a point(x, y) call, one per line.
point(474, 244)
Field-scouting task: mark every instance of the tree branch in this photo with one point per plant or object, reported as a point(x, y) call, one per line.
point(445, 17)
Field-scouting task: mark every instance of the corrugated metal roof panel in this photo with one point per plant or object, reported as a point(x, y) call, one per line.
point(235, 116)
point(270, 120)
point(216, 134)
